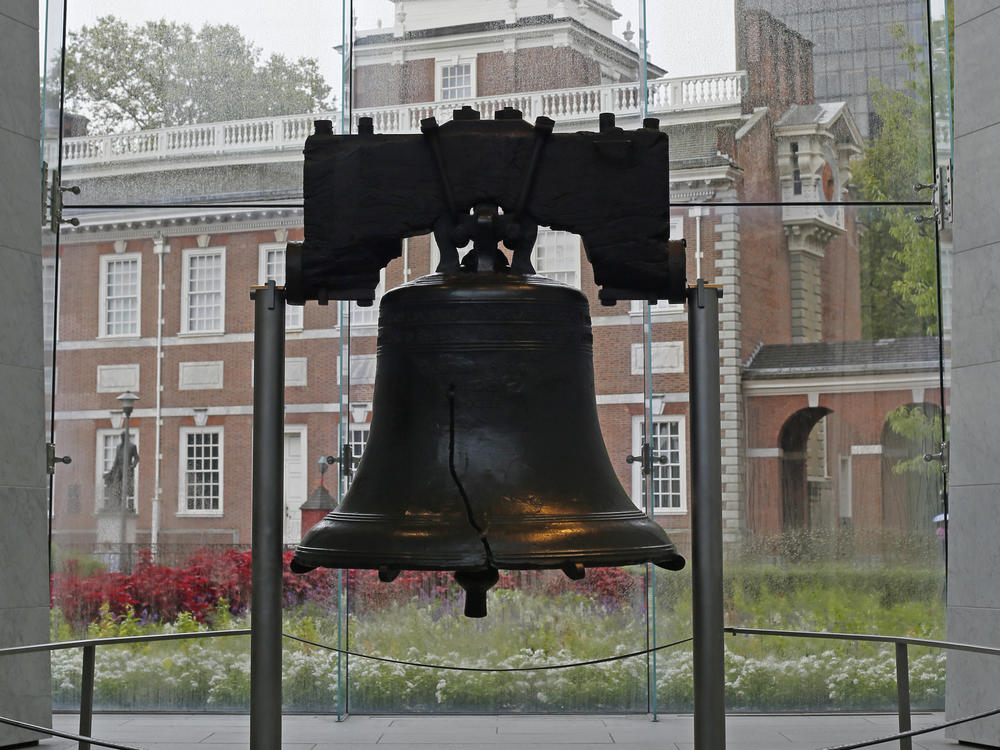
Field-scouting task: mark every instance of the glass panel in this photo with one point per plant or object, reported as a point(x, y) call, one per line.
point(832, 517)
point(831, 383)
point(534, 618)
point(798, 87)
point(155, 96)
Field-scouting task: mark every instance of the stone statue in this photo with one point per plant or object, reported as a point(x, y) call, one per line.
point(113, 480)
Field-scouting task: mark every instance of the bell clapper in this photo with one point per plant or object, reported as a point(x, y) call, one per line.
point(388, 573)
point(476, 583)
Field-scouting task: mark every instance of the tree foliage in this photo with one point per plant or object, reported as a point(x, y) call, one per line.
point(164, 73)
point(922, 430)
point(899, 266)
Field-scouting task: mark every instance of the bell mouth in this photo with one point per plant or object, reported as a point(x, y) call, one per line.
point(298, 567)
point(485, 449)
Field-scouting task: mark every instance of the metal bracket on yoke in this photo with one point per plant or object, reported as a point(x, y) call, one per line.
point(485, 225)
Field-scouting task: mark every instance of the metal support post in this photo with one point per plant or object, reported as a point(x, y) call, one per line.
point(267, 515)
point(903, 694)
point(87, 696)
point(706, 519)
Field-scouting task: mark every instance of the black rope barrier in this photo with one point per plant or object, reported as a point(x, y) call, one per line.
point(66, 735)
point(404, 662)
point(912, 732)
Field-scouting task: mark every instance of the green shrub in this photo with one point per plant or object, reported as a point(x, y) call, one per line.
point(530, 626)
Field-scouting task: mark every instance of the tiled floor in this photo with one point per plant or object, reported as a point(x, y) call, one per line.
point(671, 732)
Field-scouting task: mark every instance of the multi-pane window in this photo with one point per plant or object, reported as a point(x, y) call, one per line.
point(668, 470)
point(368, 316)
point(357, 438)
point(120, 295)
point(557, 256)
point(456, 81)
point(201, 470)
point(272, 266)
point(204, 291)
point(112, 478)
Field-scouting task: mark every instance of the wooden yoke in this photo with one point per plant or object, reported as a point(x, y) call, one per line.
point(364, 193)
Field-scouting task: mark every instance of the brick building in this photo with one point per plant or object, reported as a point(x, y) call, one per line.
point(156, 300)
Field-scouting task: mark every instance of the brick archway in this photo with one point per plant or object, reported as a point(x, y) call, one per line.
point(911, 488)
point(793, 441)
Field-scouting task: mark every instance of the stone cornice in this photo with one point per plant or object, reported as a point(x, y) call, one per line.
point(132, 224)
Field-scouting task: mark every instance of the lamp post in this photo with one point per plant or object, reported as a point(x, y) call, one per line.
point(127, 400)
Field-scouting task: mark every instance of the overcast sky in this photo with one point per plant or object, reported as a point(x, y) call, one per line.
point(687, 37)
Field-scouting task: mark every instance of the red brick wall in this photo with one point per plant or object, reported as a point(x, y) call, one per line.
point(765, 313)
point(841, 274)
point(855, 419)
point(531, 69)
point(779, 63)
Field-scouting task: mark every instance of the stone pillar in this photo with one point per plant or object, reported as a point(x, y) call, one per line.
point(25, 691)
point(806, 247)
point(974, 525)
point(727, 274)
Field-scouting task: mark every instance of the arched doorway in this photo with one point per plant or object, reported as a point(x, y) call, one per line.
point(803, 454)
point(911, 487)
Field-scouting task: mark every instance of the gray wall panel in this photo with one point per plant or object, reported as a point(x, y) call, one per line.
point(974, 587)
point(24, 681)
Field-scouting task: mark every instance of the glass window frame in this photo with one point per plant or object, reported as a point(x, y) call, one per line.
point(680, 421)
point(183, 508)
point(442, 65)
point(106, 260)
point(186, 293)
point(559, 237)
point(294, 314)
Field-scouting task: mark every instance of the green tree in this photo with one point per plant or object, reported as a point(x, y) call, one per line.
point(922, 431)
point(163, 73)
point(898, 255)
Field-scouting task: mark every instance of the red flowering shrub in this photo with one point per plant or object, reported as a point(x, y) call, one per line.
point(80, 597)
point(607, 586)
point(160, 593)
point(211, 576)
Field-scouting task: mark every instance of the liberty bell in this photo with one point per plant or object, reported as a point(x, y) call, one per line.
point(485, 451)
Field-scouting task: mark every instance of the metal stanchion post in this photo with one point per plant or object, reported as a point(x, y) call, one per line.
point(87, 695)
point(903, 694)
point(706, 518)
point(268, 467)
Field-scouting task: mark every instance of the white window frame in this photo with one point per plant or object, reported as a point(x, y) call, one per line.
point(663, 309)
point(367, 317)
point(106, 260)
point(185, 290)
point(353, 427)
point(100, 468)
point(435, 253)
point(637, 497)
point(558, 236)
point(293, 313)
point(182, 494)
point(441, 64)
point(303, 432)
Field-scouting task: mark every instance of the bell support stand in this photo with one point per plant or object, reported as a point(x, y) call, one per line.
point(268, 471)
point(706, 519)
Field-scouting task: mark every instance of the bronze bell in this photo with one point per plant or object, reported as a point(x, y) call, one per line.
point(485, 450)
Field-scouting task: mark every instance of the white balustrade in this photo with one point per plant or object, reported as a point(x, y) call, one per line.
point(663, 96)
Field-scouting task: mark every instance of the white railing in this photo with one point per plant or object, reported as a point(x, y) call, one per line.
point(664, 96)
point(261, 134)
